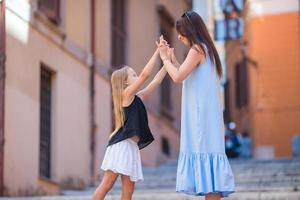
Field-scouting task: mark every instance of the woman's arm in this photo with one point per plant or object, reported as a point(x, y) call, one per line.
point(132, 89)
point(145, 93)
point(174, 59)
point(193, 58)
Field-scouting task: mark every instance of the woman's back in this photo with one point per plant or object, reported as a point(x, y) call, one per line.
point(203, 166)
point(202, 111)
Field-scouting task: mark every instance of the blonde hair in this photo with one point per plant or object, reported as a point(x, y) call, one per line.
point(118, 83)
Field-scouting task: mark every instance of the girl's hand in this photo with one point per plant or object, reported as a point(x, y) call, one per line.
point(162, 42)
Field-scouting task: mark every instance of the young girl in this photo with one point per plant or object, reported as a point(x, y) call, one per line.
point(203, 167)
point(132, 133)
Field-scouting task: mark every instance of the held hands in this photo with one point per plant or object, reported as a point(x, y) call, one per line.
point(165, 52)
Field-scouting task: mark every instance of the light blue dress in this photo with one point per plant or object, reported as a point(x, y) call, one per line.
point(203, 166)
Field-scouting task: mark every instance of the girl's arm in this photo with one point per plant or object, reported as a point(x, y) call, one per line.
point(193, 58)
point(145, 93)
point(132, 89)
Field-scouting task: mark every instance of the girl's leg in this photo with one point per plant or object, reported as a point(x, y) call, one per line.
point(127, 188)
point(213, 196)
point(107, 183)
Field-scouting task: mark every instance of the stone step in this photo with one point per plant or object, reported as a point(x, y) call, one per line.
point(176, 196)
point(238, 177)
point(250, 175)
point(240, 188)
point(276, 179)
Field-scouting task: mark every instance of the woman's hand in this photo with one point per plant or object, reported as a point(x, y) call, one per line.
point(163, 47)
point(172, 55)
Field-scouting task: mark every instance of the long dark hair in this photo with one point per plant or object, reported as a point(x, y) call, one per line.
point(191, 26)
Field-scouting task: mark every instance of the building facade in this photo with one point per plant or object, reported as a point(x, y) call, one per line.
point(58, 111)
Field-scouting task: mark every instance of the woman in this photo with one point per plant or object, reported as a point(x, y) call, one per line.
point(203, 167)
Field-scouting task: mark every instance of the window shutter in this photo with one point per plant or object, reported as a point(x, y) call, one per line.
point(51, 9)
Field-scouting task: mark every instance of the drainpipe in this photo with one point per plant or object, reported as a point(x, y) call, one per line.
point(2, 91)
point(92, 93)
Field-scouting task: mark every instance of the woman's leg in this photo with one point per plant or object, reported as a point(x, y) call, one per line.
point(213, 196)
point(127, 188)
point(107, 183)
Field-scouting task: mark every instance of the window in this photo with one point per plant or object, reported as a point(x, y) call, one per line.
point(51, 9)
point(231, 6)
point(45, 122)
point(166, 29)
point(118, 39)
point(227, 110)
point(165, 146)
point(241, 84)
point(231, 28)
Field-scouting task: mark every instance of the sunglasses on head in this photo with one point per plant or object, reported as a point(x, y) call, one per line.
point(185, 14)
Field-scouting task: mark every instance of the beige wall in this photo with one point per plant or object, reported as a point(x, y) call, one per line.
point(70, 110)
point(103, 33)
point(70, 120)
point(77, 22)
point(103, 118)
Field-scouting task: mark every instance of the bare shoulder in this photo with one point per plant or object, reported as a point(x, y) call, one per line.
point(198, 49)
point(140, 95)
point(127, 100)
point(197, 54)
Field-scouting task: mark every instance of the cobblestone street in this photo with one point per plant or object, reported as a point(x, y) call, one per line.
point(277, 179)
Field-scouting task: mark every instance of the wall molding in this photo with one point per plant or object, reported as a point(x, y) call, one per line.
point(55, 34)
point(272, 7)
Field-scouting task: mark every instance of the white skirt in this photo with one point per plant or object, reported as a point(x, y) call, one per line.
point(124, 158)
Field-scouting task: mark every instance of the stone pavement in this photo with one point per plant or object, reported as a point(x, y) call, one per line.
point(265, 180)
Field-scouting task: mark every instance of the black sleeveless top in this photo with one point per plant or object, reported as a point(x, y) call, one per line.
point(135, 124)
